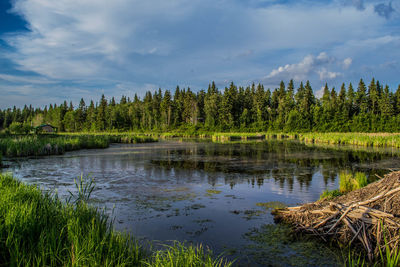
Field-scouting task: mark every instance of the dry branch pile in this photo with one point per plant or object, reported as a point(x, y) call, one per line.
point(364, 217)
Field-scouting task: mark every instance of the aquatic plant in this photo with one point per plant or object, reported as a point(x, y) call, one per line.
point(185, 255)
point(272, 205)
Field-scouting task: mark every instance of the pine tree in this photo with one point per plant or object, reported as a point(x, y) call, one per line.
point(101, 119)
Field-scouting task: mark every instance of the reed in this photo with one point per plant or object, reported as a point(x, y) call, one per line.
point(359, 139)
point(182, 255)
point(38, 229)
point(50, 144)
point(347, 183)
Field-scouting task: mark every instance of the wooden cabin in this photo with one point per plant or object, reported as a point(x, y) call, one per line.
point(46, 128)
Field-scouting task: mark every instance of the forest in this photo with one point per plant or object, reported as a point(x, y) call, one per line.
point(367, 108)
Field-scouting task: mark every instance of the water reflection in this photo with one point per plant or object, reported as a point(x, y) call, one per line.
point(201, 191)
point(283, 161)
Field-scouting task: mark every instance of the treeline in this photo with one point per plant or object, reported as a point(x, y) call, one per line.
point(372, 108)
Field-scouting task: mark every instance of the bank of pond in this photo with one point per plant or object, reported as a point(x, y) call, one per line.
point(56, 144)
point(38, 229)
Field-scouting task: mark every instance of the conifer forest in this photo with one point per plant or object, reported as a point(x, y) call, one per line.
point(369, 107)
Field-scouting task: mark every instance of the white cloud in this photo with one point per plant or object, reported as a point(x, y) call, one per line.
point(347, 62)
point(324, 74)
point(302, 70)
point(103, 43)
point(319, 93)
point(25, 79)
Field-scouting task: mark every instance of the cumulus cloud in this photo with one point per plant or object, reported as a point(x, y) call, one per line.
point(324, 74)
point(319, 93)
point(304, 69)
point(103, 43)
point(347, 62)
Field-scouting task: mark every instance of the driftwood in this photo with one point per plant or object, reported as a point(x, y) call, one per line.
point(365, 217)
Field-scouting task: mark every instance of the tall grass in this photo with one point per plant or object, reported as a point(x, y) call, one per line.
point(38, 229)
point(347, 182)
point(360, 139)
point(50, 144)
point(181, 255)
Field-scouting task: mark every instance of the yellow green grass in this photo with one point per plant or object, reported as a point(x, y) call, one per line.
point(52, 144)
point(347, 182)
point(359, 139)
point(38, 229)
point(356, 139)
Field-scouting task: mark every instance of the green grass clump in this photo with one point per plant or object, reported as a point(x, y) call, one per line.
point(330, 194)
point(272, 205)
point(38, 229)
point(181, 255)
point(348, 182)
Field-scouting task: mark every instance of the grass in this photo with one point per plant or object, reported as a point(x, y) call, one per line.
point(38, 229)
point(272, 205)
point(350, 138)
point(347, 183)
point(181, 255)
point(51, 144)
point(390, 257)
point(359, 139)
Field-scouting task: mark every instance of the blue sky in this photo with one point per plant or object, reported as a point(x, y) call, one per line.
point(51, 51)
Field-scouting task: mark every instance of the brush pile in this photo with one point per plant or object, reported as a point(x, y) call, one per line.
point(368, 217)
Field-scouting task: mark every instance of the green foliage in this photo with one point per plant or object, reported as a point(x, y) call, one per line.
point(19, 128)
point(251, 108)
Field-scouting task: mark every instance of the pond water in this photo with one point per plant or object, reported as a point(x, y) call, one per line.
point(220, 195)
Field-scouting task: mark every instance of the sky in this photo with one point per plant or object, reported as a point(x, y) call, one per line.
point(51, 51)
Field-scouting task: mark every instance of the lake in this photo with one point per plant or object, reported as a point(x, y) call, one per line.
point(220, 195)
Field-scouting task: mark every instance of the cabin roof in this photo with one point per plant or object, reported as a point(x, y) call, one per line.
point(44, 125)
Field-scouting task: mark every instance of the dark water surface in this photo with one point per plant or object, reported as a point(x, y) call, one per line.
point(208, 192)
